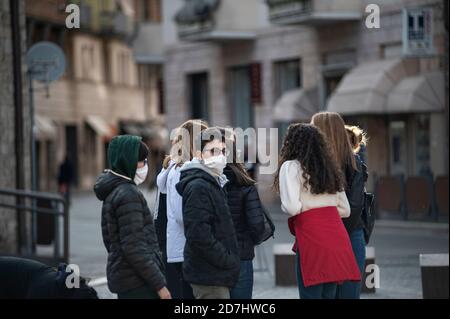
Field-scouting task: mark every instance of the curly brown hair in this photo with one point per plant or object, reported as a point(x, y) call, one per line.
point(305, 143)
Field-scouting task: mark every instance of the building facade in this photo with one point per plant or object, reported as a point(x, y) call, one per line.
point(111, 86)
point(271, 63)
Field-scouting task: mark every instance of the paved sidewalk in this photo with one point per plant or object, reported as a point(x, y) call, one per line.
point(397, 245)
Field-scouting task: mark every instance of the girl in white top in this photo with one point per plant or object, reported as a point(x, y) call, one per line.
point(182, 151)
point(311, 189)
point(292, 188)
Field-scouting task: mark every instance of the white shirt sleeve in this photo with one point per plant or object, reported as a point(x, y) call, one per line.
point(290, 188)
point(343, 205)
point(176, 199)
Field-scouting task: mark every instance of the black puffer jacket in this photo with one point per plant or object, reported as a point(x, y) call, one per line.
point(354, 190)
point(134, 259)
point(211, 256)
point(247, 213)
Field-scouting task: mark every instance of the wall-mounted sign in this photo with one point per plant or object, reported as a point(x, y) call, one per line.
point(418, 32)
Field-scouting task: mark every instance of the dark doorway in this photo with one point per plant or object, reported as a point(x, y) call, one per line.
point(240, 97)
point(199, 95)
point(72, 150)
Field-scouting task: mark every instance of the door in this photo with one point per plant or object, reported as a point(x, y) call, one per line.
point(199, 95)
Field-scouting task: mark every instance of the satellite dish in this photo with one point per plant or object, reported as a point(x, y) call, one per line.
point(46, 62)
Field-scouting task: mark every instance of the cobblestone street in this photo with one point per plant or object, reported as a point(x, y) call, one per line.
point(397, 245)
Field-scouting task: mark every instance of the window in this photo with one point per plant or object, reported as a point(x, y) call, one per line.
point(123, 60)
point(287, 76)
point(398, 146)
point(240, 90)
point(87, 62)
point(331, 83)
point(161, 96)
point(148, 10)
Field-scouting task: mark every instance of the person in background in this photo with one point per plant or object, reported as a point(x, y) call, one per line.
point(311, 189)
point(135, 266)
point(333, 127)
point(358, 141)
point(22, 278)
point(183, 149)
point(65, 178)
point(211, 256)
point(248, 218)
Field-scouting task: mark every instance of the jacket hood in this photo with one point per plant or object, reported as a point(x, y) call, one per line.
point(161, 180)
point(123, 152)
point(106, 183)
point(193, 170)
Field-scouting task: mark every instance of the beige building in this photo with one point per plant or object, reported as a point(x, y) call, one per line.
point(110, 86)
point(269, 63)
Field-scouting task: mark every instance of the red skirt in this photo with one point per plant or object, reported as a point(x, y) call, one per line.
point(326, 254)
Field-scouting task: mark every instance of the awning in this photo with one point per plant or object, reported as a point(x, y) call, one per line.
point(296, 105)
point(45, 128)
point(99, 125)
point(364, 90)
point(423, 93)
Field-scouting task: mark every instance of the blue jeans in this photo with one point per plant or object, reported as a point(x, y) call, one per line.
point(322, 291)
point(351, 289)
point(244, 286)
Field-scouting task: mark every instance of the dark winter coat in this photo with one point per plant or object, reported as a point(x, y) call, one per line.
point(247, 213)
point(211, 255)
point(355, 180)
point(134, 258)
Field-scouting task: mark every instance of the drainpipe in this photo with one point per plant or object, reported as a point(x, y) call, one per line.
point(18, 117)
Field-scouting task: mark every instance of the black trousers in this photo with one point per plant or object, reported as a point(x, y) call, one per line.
point(178, 287)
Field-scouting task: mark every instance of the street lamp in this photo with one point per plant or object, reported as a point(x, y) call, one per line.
point(46, 63)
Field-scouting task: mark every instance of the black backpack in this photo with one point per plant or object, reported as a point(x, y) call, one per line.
point(368, 215)
point(269, 228)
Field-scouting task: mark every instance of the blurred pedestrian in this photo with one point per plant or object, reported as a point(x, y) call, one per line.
point(183, 146)
point(65, 178)
point(135, 266)
point(22, 278)
point(333, 127)
point(311, 189)
point(248, 218)
point(211, 257)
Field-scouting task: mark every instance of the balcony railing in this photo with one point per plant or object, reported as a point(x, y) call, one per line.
point(115, 23)
point(313, 12)
point(201, 20)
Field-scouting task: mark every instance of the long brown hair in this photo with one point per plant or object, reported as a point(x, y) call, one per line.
point(242, 176)
point(332, 126)
point(306, 144)
point(182, 146)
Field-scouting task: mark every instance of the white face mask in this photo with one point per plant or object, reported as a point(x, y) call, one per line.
point(216, 163)
point(141, 175)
